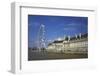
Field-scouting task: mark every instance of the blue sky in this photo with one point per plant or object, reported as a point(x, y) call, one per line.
point(55, 27)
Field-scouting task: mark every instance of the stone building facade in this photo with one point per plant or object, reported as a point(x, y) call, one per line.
point(76, 44)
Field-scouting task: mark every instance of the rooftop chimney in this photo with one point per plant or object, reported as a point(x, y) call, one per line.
point(80, 35)
point(68, 38)
point(76, 36)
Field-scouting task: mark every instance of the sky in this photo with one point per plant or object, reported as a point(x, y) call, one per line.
point(55, 27)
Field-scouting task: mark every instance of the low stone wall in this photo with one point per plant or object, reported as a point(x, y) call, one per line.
point(70, 50)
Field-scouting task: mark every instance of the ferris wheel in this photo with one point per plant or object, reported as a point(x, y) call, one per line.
point(41, 38)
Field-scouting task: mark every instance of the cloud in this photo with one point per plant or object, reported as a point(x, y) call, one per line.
point(34, 24)
point(73, 25)
point(70, 29)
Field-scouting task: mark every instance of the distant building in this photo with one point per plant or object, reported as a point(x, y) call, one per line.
point(78, 43)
